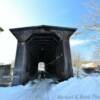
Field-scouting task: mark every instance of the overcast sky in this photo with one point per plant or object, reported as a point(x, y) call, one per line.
point(20, 13)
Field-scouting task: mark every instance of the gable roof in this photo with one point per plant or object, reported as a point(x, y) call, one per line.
point(19, 33)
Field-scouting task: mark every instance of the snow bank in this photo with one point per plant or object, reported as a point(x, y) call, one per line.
point(77, 89)
point(73, 89)
point(37, 91)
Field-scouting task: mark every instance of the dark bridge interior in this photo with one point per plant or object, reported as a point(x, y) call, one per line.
point(44, 48)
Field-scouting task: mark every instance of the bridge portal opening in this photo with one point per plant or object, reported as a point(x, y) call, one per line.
point(44, 48)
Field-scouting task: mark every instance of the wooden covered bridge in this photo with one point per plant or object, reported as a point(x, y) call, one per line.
point(49, 44)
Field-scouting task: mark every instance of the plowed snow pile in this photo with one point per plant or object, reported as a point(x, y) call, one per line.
point(73, 89)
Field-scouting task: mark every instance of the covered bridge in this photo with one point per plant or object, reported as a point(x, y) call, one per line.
point(49, 44)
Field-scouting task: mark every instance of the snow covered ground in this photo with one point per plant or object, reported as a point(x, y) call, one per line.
point(87, 88)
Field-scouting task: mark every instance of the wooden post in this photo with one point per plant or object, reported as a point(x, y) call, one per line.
point(67, 59)
point(20, 64)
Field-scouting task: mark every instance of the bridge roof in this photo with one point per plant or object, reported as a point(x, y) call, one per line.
point(23, 33)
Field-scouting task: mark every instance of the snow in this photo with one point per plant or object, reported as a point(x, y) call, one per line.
point(87, 88)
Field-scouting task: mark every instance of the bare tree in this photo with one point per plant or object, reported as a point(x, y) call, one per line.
point(92, 23)
point(76, 58)
point(93, 15)
point(76, 61)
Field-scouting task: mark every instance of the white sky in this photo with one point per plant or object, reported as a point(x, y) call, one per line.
point(74, 42)
point(11, 17)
